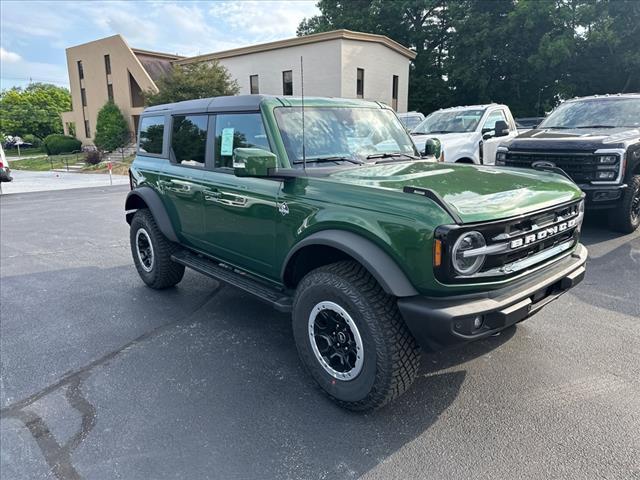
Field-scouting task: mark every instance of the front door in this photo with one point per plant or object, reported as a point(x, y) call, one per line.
point(240, 213)
point(490, 145)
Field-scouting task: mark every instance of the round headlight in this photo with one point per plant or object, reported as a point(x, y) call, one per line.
point(468, 264)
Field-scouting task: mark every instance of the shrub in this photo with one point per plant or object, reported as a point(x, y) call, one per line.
point(112, 130)
point(56, 144)
point(93, 157)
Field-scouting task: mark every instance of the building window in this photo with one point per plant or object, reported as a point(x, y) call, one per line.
point(107, 64)
point(110, 92)
point(241, 130)
point(83, 96)
point(87, 130)
point(394, 93)
point(137, 99)
point(360, 83)
point(80, 70)
point(189, 139)
point(287, 82)
point(253, 84)
point(151, 135)
point(71, 129)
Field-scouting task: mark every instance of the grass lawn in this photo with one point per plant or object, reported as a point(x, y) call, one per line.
point(24, 152)
point(41, 164)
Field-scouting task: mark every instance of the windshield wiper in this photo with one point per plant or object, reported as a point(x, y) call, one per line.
point(555, 127)
point(329, 159)
point(596, 126)
point(391, 155)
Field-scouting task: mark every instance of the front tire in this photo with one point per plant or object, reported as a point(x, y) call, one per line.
point(626, 218)
point(351, 338)
point(152, 252)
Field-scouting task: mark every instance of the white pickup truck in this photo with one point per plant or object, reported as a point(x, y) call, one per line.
point(469, 134)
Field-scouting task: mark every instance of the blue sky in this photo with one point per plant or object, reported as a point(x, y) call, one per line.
point(34, 34)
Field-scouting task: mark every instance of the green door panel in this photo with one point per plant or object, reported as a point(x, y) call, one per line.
point(240, 217)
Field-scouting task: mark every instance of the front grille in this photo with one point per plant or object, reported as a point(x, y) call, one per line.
point(516, 244)
point(580, 166)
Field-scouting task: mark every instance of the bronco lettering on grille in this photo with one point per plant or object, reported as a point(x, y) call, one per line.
point(542, 234)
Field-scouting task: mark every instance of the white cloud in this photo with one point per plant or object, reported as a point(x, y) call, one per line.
point(264, 20)
point(7, 56)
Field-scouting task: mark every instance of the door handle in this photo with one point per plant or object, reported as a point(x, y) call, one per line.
point(212, 195)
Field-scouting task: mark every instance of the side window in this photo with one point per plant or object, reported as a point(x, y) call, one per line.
point(189, 139)
point(240, 130)
point(490, 123)
point(151, 135)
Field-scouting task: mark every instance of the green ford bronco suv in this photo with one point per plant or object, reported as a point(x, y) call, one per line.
point(325, 209)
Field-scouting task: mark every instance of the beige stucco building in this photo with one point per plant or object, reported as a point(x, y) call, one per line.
point(339, 63)
point(108, 69)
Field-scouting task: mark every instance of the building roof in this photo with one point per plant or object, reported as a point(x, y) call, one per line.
point(307, 39)
point(151, 53)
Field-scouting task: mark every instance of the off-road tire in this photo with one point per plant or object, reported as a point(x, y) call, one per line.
point(623, 219)
point(164, 272)
point(391, 354)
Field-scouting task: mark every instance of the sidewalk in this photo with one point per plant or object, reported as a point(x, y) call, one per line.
point(26, 181)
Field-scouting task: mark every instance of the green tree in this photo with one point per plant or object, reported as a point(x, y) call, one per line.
point(33, 110)
point(112, 131)
point(191, 81)
point(525, 53)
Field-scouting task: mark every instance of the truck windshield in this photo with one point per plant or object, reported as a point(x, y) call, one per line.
point(337, 135)
point(595, 113)
point(457, 121)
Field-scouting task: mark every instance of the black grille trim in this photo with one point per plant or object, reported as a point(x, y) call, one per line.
point(499, 232)
point(580, 166)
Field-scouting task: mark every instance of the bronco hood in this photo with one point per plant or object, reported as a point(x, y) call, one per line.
point(475, 193)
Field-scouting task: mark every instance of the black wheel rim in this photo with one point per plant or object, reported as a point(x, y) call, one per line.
point(336, 341)
point(635, 206)
point(144, 249)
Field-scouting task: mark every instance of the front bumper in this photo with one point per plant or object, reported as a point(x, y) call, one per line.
point(603, 196)
point(438, 323)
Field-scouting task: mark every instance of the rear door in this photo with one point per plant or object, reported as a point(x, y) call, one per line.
point(240, 213)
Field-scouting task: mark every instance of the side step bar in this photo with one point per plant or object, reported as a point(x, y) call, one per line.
point(276, 298)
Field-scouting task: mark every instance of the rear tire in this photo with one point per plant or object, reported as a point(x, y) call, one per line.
point(626, 217)
point(380, 359)
point(152, 252)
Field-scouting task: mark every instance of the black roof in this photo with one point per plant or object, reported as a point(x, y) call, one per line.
point(607, 96)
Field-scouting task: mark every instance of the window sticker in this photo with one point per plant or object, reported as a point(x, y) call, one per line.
point(226, 145)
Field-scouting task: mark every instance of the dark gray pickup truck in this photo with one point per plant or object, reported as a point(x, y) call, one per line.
point(596, 141)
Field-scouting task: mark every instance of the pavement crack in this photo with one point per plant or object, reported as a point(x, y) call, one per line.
point(58, 456)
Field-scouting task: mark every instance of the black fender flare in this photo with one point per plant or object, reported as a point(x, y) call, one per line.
point(383, 268)
point(148, 196)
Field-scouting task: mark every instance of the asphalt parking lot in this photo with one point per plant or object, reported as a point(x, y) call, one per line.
point(103, 378)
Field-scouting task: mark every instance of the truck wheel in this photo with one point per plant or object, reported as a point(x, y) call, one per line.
point(351, 337)
point(626, 218)
point(152, 252)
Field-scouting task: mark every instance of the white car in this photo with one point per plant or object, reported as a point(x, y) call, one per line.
point(469, 134)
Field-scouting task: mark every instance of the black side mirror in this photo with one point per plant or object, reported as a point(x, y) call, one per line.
point(501, 129)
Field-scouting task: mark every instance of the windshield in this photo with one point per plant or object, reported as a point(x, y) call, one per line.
point(341, 133)
point(604, 113)
point(457, 121)
point(410, 121)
